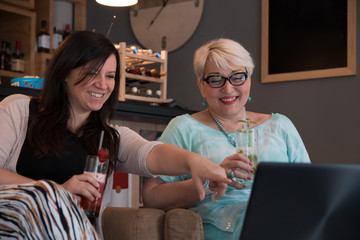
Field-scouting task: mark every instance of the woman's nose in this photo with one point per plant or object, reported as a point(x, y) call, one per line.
point(101, 82)
point(227, 86)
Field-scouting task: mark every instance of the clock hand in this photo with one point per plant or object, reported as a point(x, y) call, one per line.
point(157, 14)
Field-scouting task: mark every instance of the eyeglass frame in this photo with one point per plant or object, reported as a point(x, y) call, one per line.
point(226, 79)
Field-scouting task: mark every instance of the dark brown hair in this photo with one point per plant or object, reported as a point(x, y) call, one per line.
point(46, 128)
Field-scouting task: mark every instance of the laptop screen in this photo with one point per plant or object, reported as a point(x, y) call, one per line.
point(304, 201)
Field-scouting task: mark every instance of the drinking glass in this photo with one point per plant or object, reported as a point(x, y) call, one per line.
point(246, 141)
point(99, 170)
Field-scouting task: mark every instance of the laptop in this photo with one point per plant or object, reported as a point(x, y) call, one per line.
point(304, 202)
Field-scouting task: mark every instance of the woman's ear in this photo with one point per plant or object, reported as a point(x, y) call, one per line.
point(201, 87)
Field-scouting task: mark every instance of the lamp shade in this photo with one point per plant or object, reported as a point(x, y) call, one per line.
point(117, 3)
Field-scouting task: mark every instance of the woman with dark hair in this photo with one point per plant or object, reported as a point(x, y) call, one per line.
point(50, 137)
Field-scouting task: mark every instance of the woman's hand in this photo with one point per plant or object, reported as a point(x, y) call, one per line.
point(83, 185)
point(234, 163)
point(202, 169)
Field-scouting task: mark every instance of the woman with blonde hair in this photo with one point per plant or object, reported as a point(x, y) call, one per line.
point(223, 70)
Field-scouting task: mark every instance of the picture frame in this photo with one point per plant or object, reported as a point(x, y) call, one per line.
point(307, 39)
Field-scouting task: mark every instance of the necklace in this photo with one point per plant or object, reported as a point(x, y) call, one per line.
point(222, 129)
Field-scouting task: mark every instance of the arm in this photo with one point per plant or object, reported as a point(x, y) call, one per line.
point(14, 112)
point(158, 194)
point(7, 177)
point(180, 191)
point(168, 159)
point(183, 194)
point(139, 156)
point(295, 146)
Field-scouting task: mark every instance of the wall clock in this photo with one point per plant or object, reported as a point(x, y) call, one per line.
point(165, 24)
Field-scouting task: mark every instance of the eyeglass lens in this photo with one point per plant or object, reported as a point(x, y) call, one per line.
point(236, 79)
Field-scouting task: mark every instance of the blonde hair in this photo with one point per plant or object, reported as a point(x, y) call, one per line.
point(222, 51)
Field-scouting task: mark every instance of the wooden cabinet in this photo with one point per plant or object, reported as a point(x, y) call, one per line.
point(21, 19)
point(21, 3)
point(45, 11)
point(132, 60)
point(18, 24)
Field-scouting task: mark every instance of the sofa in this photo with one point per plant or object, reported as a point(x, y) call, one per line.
point(151, 224)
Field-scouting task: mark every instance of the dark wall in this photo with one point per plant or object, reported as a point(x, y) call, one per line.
point(325, 111)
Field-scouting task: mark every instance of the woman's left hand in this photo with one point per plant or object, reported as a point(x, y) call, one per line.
point(234, 163)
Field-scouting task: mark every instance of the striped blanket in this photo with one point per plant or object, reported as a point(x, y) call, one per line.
point(42, 210)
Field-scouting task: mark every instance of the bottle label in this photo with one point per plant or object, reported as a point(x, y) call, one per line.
point(17, 65)
point(44, 41)
point(57, 39)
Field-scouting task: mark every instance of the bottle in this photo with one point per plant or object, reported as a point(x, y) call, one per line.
point(67, 31)
point(8, 51)
point(57, 38)
point(148, 93)
point(135, 70)
point(17, 59)
point(158, 93)
point(153, 73)
point(4, 56)
point(134, 91)
point(43, 38)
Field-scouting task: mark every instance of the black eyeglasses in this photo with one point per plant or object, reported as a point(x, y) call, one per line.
point(217, 81)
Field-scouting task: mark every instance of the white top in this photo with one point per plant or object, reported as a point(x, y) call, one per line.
point(14, 115)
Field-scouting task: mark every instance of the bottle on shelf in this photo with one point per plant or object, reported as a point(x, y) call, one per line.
point(67, 31)
point(148, 52)
point(148, 93)
point(134, 90)
point(153, 73)
point(57, 38)
point(5, 57)
point(17, 59)
point(158, 93)
point(132, 49)
point(8, 51)
point(43, 38)
point(135, 70)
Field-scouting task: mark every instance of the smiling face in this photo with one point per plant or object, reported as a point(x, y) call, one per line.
point(91, 93)
point(227, 101)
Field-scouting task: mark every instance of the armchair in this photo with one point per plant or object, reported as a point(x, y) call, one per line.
point(151, 224)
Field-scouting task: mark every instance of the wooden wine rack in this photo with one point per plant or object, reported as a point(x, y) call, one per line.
point(142, 60)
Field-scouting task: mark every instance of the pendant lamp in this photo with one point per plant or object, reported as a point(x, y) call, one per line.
point(117, 3)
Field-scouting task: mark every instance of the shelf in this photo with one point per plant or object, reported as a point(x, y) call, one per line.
point(10, 74)
point(146, 99)
point(21, 3)
point(148, 59)
point(131, 76)
point(21, 19)
point(129, 59)
point(41, 62)
point(45, 10)
point(164, 111)
point(19, 24)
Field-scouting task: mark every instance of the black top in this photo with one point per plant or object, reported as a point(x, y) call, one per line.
point(51, 167)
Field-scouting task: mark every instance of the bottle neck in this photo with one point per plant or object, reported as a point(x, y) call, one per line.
point(18, 46)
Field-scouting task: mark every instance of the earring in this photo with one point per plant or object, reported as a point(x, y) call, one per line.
point(204, 103)
point(249, 99)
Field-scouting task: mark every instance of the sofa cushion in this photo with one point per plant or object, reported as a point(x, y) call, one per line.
point(133, 223)
point(183, 224)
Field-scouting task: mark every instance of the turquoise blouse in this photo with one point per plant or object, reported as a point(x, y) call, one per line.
point(278, 141)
